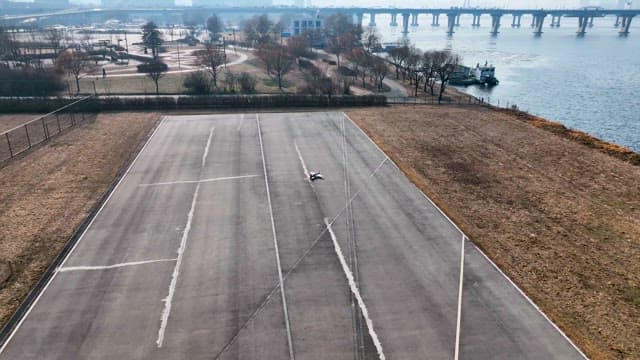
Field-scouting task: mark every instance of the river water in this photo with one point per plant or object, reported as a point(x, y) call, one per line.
point(589, 83)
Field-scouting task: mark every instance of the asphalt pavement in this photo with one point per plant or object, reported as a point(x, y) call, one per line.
point(215, 245)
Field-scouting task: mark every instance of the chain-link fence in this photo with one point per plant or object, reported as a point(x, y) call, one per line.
point(24, 137)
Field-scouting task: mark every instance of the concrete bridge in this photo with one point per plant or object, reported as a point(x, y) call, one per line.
point(409, 16)
point(451, 17)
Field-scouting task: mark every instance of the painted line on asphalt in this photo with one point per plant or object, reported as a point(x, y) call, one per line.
point(35, 302)
point(305, 170)
point(535, 306)
point(275, 243)
point(115, 266)
point(371, 141)
point(164, 317)
point(286, 275)
point(206, 149)
point(355, 291)
point(459, 316)
point(199, 181)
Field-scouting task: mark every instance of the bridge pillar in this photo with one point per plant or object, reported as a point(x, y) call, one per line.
point(583, 21)
point(372, 20)
point(539, 23)
point(513, 22)
point(359, 17)
point(414, 19)
point(458, 20)
point(394, 20)
point(436, 20)
point(558, 20)
point(591, 21)
point(617, 23)
point(405, 23)
point(451, 23)
point(519, 21)
point(476, 20)
point(626, 24)
point(495, 23)
point(533, 21)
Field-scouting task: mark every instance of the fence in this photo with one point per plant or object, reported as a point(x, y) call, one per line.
point(433, 100)
point(24, 137)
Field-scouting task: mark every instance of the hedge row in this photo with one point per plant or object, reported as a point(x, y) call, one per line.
point(189, 102)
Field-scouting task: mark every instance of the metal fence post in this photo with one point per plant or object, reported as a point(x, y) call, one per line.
point(58, 121)
point(44, 128)
point(26, 129)
point(9, 143)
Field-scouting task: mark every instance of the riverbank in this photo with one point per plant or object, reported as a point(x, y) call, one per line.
point(560, 218)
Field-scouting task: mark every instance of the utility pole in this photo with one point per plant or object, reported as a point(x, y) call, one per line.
point(178, 45)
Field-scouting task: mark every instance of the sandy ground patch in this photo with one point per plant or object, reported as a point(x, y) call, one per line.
point(562, 219)
point(46, 195)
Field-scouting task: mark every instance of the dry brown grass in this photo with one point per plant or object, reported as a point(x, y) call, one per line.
point(46, 195)
point(9, 121)
point(562, 219)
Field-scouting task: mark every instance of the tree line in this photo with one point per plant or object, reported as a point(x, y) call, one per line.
point(424, 70)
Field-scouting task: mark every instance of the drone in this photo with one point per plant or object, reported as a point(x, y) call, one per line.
point(315, 175)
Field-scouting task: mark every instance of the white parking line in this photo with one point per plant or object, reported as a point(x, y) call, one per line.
point(206, 149)
point(164, 318)
point(199, 181)
point(275, 243)
point(35, 302)
point(304, 166)
point(459, 316)
point(115, 266)
point(355, 291)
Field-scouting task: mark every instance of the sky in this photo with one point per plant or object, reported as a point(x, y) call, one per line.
point(536, 4)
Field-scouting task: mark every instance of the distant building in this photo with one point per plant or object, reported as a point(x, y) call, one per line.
point(304, 22)
point(137, 3)
point(231, 3)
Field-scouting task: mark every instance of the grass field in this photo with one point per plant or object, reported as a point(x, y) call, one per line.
point(46, 195)
point(562, 219)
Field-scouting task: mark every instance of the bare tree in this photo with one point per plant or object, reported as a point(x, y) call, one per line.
point(413, 67)
point(361, 62)
point(379, 70)
point(277, 61)
point(298, 46)
point(5, 46)
point(429, 71)
point(398, 56)
point(445, 63)
point(247, 83)
point(212, 57)
point(230, 81)
point(155, 71)
point(198, 82)
point(259, 30)
point(215, 26)
point(152, 38)
point(371, 39)
point(54, 38)
point(73, 63)
point(341, 44)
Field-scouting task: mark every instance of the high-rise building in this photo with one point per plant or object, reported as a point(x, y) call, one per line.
point(137, 3)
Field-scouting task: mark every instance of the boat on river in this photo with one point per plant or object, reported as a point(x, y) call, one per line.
point(480, 75)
